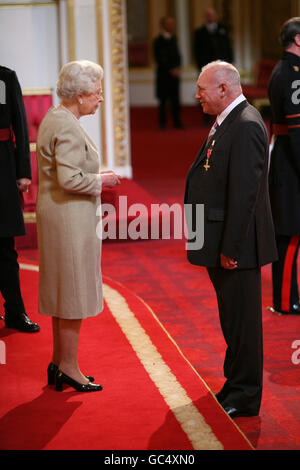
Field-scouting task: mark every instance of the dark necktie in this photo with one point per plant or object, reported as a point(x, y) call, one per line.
point(211, 133)
point(208, 143)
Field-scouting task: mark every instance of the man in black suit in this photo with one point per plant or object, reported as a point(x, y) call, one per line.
point(168, 61)
point(229, 177)
point(284, 178)
point(15, 177)
point(211, 42)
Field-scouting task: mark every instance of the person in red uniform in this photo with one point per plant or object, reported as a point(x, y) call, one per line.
point(15, 177)
point(284, 176)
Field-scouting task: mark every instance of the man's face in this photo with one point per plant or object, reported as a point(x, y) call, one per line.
point(211, 15)
point(209, 93)
point(169, 25)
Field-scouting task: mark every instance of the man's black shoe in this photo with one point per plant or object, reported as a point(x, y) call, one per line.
point(22, 323)
point(295, 310)
point(235, 413)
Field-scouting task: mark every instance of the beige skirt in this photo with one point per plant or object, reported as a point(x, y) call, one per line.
point(70, 284)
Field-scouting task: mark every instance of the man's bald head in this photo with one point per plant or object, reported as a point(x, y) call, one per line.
point(224, 72)
point(210, 15)
point(218, 85)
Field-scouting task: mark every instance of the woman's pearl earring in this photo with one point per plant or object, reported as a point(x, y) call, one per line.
point(80, 101)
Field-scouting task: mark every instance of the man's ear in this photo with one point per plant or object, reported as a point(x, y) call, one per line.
point(223, 88)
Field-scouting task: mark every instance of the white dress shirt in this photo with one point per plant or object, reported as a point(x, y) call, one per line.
point(233, 104)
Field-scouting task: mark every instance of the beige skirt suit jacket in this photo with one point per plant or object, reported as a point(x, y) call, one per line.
point(69, 191)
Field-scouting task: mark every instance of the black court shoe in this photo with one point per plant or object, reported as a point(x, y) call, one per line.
point(62, 379)
point(52, 371)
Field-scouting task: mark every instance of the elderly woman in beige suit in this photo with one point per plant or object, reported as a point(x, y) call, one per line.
point(70, 183)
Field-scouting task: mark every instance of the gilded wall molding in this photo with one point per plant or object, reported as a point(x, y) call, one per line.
point(29, 217)
point(29, 4)
point(99, 19)
point(36, 91)
point(71, 29)
point(117, 16)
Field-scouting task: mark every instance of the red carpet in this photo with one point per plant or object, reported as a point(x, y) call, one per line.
point(187, 306)
point(184, 302)
point(117, 217)
point(151, 399)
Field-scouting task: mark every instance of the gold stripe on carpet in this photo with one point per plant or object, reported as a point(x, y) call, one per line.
point(193, 368)
point(190, 419)
point(192, 422)
point(29, 267)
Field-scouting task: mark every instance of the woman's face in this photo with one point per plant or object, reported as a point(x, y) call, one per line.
point(88, 104)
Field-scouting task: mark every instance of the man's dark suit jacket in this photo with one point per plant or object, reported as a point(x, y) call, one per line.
point(14, 157)
point(167, 57)
point(237, 214)
point(209, 46)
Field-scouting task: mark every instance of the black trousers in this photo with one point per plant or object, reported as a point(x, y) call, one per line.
point(240, 310)
point(284, 273)
point(169, 94)
point(175, 110)
point(9, 278)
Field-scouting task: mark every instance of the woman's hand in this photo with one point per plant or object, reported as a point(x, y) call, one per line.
point(109, 179)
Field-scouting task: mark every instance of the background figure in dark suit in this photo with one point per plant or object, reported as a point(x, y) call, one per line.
point(229, 176)
point(15, 177)
point(284, 178)
point(167, 58)
point(211, 42)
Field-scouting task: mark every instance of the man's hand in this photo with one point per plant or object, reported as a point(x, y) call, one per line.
point(175, 72)
point(23, 184)
point(228, 263)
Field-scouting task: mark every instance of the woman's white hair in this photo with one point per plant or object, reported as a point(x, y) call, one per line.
point(224, 72)
point(78, 78)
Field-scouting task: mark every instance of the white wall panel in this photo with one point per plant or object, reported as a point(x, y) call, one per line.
point(29, 44)
point(86, 49)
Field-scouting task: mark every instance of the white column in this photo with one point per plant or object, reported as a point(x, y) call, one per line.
point(247, 62)
point(114, 52)
point(108, 101)
point(86, 48)
point(96, 28)
point(237, 39)
point(182, 20)
point(63, 32)
point(86, 30)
